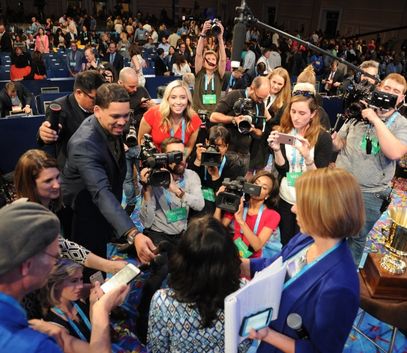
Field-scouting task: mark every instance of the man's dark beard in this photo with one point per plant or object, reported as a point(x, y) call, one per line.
point(178, 169)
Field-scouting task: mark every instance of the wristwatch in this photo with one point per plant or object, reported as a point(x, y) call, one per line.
point(131, 236)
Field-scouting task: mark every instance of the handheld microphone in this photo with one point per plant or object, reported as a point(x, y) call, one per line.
point(294, 322)
point(55, 109)
point(239, 38)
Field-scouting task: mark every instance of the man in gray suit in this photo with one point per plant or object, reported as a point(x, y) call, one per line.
point(93, 177)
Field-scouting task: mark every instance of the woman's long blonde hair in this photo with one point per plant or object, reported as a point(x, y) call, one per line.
point(164, 107)
point(312, 133)
point(284, 96)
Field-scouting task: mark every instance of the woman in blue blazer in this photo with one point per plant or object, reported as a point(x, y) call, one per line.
point(322, 284)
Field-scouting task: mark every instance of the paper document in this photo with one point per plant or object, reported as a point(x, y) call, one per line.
point(262, 292)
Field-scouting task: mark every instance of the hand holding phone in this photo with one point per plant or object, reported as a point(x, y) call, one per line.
point(124, 276)
point(286, 139)
point(256, 321)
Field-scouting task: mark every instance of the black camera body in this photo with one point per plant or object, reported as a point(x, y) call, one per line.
point(150, 158)
point(211, 157)
point(215, 29)
point(245, 107)
point(229, 200)
point(365, 91)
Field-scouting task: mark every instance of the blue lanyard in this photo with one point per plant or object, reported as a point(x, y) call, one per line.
point(212, 83)
point(172, 132)
point(222, 165)
point(390, 122)
point(258, 218)
point(167, 194)
point(308, 266)
point(72, 323)
point(231, 81)
point(294, 156)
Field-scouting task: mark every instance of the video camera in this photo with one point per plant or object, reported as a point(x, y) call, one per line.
point(229, 200)
point(150, 158)
point(358, 91)
point(211, 157)
point(247, 108)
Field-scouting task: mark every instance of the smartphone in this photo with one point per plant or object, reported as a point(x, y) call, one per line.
point(124, 276)
point(96, 277)
point(256, 321)
point(286, 139)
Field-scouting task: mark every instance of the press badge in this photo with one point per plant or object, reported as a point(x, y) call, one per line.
point(243, 248)
point(208, 194)
point(209, 98)
point(177, 214)
point(292, 178)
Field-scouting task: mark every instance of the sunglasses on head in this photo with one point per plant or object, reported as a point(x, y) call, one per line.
point(303, 93)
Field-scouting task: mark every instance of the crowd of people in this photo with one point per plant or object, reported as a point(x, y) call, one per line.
point(230, 170)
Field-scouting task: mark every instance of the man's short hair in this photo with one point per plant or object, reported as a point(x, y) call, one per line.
point(26, 229)
point(219, 132)
point(169, 141)
point(87, 81)
point(397, 78)
point(111, 92)
point(369, 63)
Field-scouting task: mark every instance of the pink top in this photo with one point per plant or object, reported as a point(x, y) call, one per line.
point(42, 44)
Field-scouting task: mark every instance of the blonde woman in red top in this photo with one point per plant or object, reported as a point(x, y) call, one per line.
point(173, 117)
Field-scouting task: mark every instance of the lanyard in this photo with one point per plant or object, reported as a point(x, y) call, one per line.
point(172, 133)
point(294, 156)
point(258, 218)
point(231, 81)
point(167, 194)
point(212, 83)
point(308, 266)
point(72, 323)
point(222, 165)
point(390, 122)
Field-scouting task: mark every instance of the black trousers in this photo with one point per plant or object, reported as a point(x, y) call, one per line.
point(288, 224)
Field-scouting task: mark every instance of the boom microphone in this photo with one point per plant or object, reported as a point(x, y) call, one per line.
point(238, 40)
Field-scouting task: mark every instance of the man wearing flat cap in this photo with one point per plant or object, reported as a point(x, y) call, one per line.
point(28, 251)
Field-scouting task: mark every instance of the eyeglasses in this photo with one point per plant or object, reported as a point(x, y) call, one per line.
point(303, 93)
point(55, 257)
point(89, 96)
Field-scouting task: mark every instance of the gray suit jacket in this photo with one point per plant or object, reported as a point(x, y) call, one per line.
point(92, 176)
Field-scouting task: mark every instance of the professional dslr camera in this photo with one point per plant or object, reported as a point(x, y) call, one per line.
point(247, 108)
point(358, 91)
point(150, 158)
point(215, 28)
point(229, 200)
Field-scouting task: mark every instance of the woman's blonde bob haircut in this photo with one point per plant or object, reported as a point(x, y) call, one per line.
point(165, 106)
point(329, 203)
